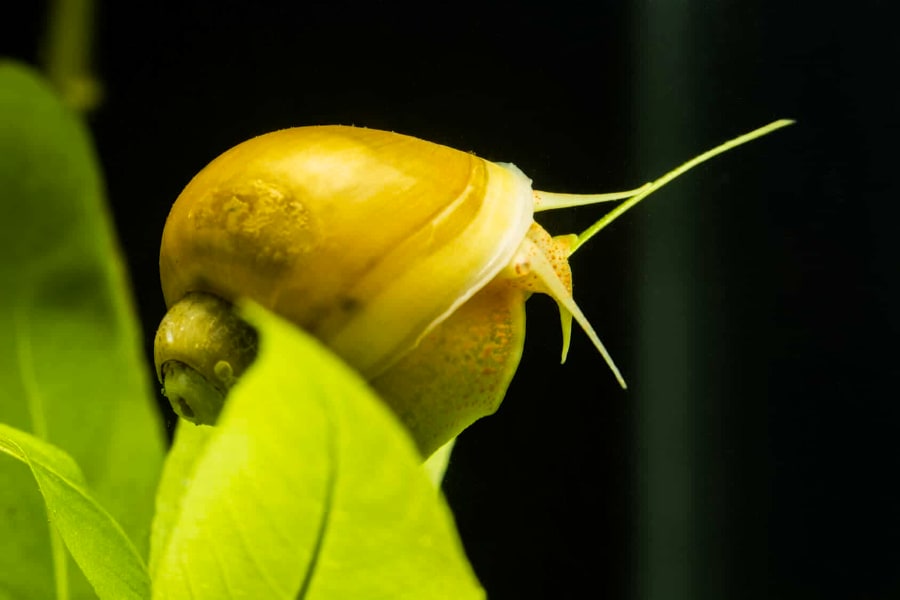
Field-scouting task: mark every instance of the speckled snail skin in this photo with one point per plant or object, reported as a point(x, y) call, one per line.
point(411, 260)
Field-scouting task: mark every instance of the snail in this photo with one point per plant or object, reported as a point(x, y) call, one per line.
point(411, 260)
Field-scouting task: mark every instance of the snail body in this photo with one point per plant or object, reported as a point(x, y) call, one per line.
point(409, 259)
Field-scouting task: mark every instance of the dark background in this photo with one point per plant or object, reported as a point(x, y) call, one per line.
point(749, 305)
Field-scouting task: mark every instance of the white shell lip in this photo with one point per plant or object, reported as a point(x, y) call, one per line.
point(503, 219)
point(521, 203)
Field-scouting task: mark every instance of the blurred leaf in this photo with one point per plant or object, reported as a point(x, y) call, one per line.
point(307, 483)
point(71, 364)
point(99, 546)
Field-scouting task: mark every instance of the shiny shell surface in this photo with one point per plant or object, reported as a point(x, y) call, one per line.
point(365, 238)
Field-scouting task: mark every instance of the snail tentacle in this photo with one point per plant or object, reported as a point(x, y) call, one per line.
point(542, 268)
point(540, 265)
point(555, 200)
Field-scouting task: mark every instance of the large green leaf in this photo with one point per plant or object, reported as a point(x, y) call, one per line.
point(307, 487)
point(100, 547)
point(71, 366)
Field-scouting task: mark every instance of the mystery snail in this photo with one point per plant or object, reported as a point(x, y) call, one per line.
point(409, 259)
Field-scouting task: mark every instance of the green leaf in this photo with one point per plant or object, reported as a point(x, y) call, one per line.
point(178, 474)
point(72, 370)
point(99, 546)
point(307, 487)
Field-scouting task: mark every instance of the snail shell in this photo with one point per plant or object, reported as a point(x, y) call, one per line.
point(363, 238)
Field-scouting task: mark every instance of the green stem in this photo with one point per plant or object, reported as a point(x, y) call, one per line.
point(67, 53)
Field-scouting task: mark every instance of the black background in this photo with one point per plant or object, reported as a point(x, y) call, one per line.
point(750, 305)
